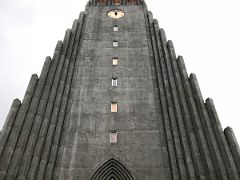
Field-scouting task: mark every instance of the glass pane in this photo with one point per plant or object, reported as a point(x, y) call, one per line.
point(114, 107)
point(115, 61)
point(115, 44)
point(115, 28)
point(113, 137)
point(114, 82)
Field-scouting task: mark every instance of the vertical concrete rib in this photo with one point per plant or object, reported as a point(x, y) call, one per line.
point(45, 108)
point(201, 139)
point(65, 108)
point(221, 140)
point(168, 154)
point(174, 109)
point(9, 123)
point(38, 105)
point(178, 111)
point(26, 159)
point(60, 105)
point(166, 171)
point(164, 106)
point(234, 147)
point(198, 167)
point(51, 106)
point(23, 136)
point(169, 105)
point(208, 130)
point(16, 128)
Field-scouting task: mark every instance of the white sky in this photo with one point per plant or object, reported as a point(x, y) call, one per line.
point(205, 32)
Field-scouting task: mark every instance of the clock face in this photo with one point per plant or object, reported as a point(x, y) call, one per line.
point(116, 13)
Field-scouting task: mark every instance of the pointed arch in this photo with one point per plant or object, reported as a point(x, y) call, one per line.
point(112, 169)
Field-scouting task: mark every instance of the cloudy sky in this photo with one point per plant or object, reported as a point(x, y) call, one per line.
point(205, 33)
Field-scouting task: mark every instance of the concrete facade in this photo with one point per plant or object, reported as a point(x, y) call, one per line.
point(165, 130)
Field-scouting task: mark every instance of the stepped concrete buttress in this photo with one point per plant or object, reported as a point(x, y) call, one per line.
point(163, 128)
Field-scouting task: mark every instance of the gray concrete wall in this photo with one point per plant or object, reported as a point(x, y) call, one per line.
point(166, 131)
point(87, 145)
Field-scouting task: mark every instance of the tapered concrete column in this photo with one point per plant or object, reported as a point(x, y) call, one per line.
point(198, 130)
point(26, 127)
point(175, 111)
point(53, 150)
point(41, 133)
point(23, 137)
point(60, 103)
point(208, 130)
point(233, 144)
point(178, 110)
point(163, 119)
point(9, 123)
point(27, 156)
point(55, 96)
point(187, 116)
point(16, 128)
point(166, 75)
point(222, 142)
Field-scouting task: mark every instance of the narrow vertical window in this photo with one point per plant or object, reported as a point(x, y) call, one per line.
point(115, 28)
point(113, 136)
point(114, 107)
point(115, 61)
point(114, 82)
point(115, 43)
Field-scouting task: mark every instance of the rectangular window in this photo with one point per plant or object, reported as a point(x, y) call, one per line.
point(114, 107)
point(115, 28)
point(115, 43)
point(113, 136)
point(114, 82)
point(115, 61)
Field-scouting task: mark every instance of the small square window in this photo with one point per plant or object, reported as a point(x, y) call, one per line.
point(113, 136)
point(115, 43)
point(115, 28)
point(115, 61)
point(114, 107)
point(114, 82)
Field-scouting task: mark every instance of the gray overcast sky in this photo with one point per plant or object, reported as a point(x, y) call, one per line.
point(205, 32)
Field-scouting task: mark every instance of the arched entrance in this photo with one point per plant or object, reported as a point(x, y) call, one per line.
point(112, 170)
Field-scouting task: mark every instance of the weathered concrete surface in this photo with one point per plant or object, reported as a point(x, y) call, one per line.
point(165, 129)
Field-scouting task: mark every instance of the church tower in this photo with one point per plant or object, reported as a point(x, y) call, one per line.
point(115, 103)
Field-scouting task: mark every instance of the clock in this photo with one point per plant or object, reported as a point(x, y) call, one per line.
point(116, 13)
